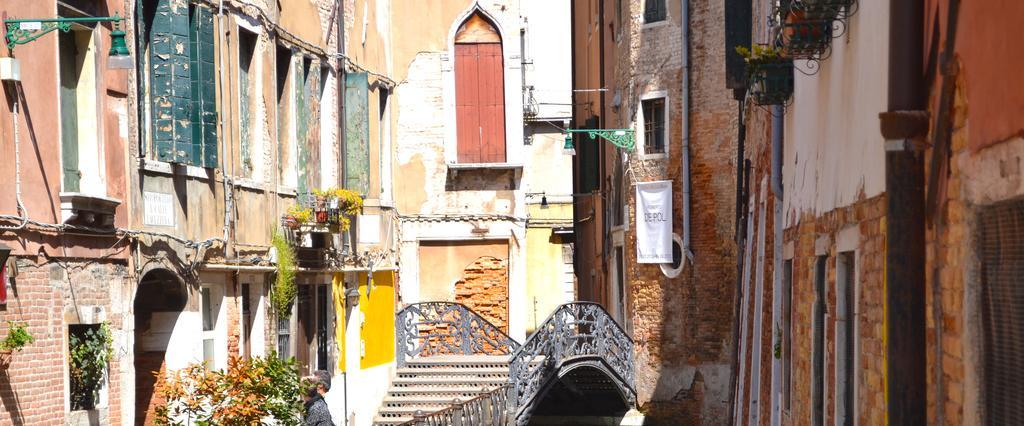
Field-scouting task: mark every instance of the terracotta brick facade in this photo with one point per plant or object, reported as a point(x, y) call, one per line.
point(48, 297)
point(681, 326)
point(484, 289)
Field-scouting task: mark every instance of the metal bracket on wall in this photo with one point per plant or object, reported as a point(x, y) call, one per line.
point(622, 138)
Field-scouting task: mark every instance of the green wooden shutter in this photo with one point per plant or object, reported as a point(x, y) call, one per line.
point(590, 160)
point(169, 44)
point(357, 133)
point(69, 111)
point(302, 124)
point(202, 88)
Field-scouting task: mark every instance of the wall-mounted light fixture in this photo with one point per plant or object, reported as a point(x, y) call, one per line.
point(22, 31)
point(622, 138)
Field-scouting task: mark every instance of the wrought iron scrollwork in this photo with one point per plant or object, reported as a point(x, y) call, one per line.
point(575, 332)
point(447, 328)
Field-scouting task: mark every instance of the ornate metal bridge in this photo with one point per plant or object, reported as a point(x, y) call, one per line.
point(578, 354)
point(575, 337)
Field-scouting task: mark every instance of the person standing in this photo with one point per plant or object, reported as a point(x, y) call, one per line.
point(317, 413)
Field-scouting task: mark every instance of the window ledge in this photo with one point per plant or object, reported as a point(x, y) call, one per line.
point(90, 210)
point(287, 190)
point(250, 184)
point(156, 166)
point(474, 166)
point(658, 156)
point(655, 24)
point(165, 168)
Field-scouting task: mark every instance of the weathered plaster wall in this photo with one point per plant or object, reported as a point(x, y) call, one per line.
point(834, 151)
point(443, 263)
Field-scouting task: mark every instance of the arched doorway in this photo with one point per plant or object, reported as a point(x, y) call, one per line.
point(479, 92)
point(159, 300)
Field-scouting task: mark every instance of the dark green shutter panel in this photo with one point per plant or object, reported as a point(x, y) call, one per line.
point(302, 125)
point(588, 149)
point(69, 111)
point(202, 88)
point(169, 44)
point(357, 133)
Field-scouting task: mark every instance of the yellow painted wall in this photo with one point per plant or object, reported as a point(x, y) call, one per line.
point(546, 269)
point(378, 330)
point(338, 291)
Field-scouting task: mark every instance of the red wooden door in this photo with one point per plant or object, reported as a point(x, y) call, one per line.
point(480, 103)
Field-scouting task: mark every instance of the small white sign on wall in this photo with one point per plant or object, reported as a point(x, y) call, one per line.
point(654, 222)
point(369, 229)
point(158, 209)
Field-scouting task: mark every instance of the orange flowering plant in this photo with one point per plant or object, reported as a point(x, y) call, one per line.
point(250, 392)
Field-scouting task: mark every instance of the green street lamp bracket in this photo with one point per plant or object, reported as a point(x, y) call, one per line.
point(622, 138)
point(23, 31)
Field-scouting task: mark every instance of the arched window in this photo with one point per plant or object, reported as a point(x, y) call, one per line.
point(479, 92)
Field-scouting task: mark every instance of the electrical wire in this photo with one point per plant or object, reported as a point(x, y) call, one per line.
point(17, 167)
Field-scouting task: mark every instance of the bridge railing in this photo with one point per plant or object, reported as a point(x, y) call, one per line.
point(487, 409)
point(446, 328)
point(574, 332)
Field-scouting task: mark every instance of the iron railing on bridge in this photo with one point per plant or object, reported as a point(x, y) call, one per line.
point(447, 328)
point(488, 409)
point(574, 332)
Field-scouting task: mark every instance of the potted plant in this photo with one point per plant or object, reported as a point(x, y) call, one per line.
point(17, 338)
point(89, 353)
point(296, 216)
point(769, 74)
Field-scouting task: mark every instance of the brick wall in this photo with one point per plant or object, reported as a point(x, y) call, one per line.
point(682, 326)
point(49, 297)
point(868, 216)
point(484, 288)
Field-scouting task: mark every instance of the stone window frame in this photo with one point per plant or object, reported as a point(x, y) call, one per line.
point(666, 268)
point(641, 123)
point(848, 241)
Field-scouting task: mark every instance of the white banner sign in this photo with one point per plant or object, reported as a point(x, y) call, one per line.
point(654, 222)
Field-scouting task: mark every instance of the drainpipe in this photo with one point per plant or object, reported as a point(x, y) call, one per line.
point(684, 6)
point(340, 82)
point(776, 185)
point(738, 290)
point(903, 126)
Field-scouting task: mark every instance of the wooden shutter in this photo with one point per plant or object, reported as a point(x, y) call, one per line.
point(357, 133)
point(203, 91)
point(480, 102)
point(69, 111)
point(589, 159)
point(170, 83)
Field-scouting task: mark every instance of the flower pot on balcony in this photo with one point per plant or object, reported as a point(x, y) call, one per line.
point(804, 37)
point(771, 81)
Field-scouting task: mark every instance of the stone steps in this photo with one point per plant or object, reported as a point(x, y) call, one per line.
point(431, 384)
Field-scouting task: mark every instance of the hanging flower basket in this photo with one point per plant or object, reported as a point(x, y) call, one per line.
point(803, 37)
point(769, 75)
point(771, 83)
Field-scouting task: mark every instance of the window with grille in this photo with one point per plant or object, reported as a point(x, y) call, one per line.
point(655, 10)
point(845, 320)
point(787, 332)
point(654, 125)
point(1001, 228)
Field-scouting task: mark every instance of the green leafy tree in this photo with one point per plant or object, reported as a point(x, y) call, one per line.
point(251, 391)
point(89, 354)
